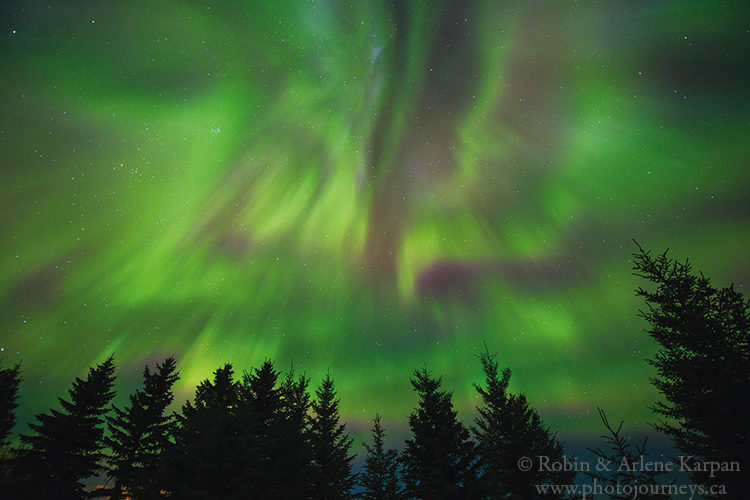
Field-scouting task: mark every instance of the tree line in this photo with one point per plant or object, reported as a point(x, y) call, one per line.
point(264, 434)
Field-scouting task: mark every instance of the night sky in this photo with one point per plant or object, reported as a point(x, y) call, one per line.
point(367, 188)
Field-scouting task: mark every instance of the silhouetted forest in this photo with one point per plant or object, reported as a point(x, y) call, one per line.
point(267, 434)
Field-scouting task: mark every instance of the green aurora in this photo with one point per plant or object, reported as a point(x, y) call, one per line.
point(365, 187)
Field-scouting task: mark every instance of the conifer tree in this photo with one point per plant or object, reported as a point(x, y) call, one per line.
point(439, 459)
point(379, 478)
point(67, 444)
point(506, 429)
point(262, 395)
point(624, 466)
point(10, 380)
point(294, 439)
point(139, 434)
point(333, 476)
point(702, 367)
point(205, 460)
point(247, 439)
point(259, 414)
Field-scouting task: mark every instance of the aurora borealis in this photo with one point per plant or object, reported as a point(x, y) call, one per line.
point(365, 187)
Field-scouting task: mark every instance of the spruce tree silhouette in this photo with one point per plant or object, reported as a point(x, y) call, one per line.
point(507, 429)
point(439, 459)
point(379, 478)
point(67, 446)
point(10, 380)
point(247, 439)
point(332, 462)
point(702, 367)
point(294, 438)
point(259, 390)
point(206, 458)
point(139, 433)
point(623, 465)
point(261, 420)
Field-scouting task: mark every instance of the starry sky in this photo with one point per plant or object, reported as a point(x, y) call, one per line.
point(365, 187)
